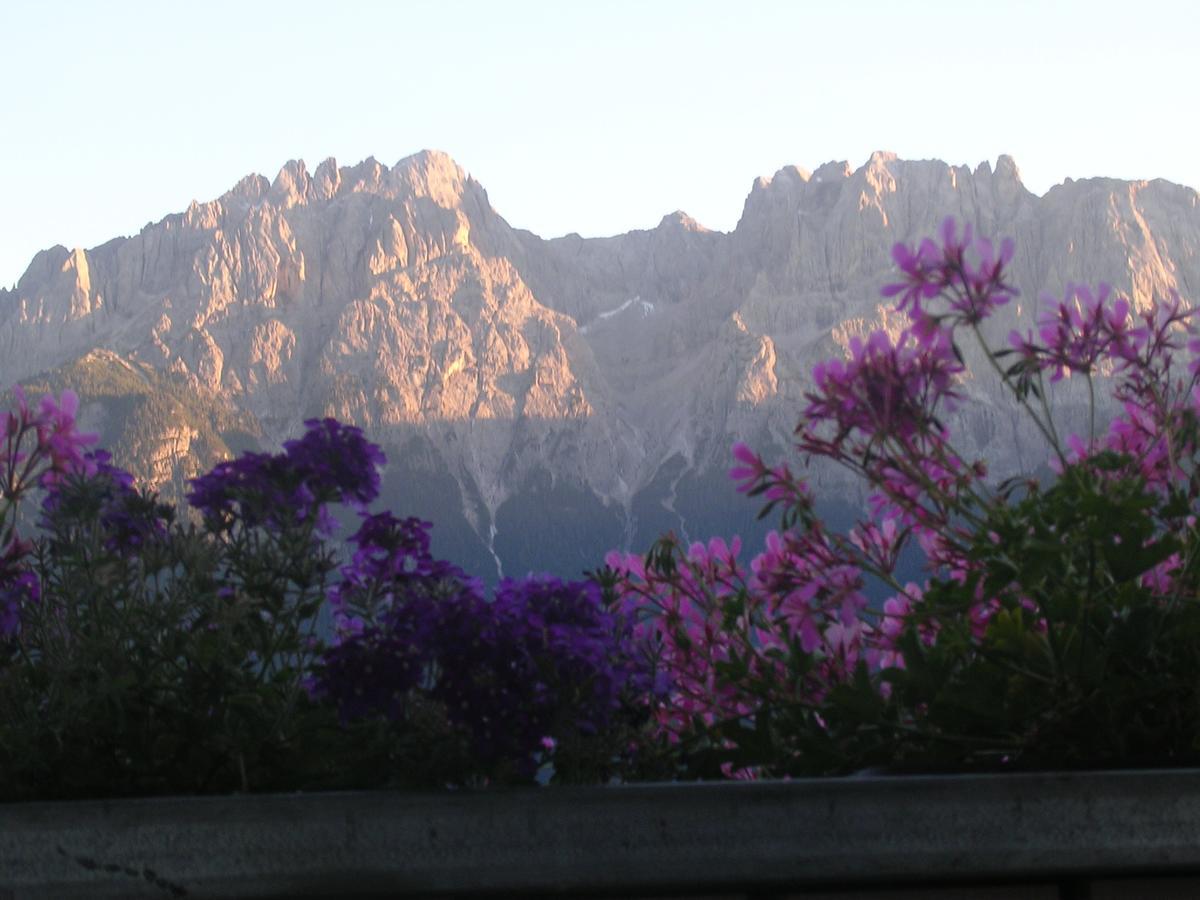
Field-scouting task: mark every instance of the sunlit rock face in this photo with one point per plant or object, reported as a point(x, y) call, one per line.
point(542, 400)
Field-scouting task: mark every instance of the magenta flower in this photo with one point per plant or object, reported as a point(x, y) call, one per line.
point(886, 388)
point(39, 447)
point(58, 436)
point(750, 469)
point(879, 543)
point(1078, 332)
point(968, 274)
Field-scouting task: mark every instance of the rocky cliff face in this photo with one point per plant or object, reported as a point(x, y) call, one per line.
point(540, 400)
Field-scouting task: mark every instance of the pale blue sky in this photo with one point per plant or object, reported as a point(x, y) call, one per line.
point(594, 117)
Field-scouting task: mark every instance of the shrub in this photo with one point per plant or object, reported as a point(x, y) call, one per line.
point(542, 674)
point(1056, 626)
point(143, 654)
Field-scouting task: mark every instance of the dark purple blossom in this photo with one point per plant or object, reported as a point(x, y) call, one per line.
point(338, 458)
point(257, 488)
point(331, 463)
point(103, 493)
point(543, 657)
point(18, 587)
point(392, 549)
point(391, 558)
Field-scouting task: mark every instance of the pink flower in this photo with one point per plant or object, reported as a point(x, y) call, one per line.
point(885, 389)
point(967, 273)
point(58, 445)
point(880, 544)
point(751, 469)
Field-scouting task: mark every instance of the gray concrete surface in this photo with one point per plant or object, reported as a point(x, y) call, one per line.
point(724, 838)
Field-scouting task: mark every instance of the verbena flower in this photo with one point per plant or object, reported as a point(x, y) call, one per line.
point(104, 494)
point(18, 587)
point(337, 458)
point(330, 463)
point(542, 657)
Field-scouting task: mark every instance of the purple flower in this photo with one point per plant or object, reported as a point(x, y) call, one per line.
point(1077, 333)
point(103, 493)
point(330, 463)
point(18, 587)
point(391, 552)
point(544, 657)
point(338, 458)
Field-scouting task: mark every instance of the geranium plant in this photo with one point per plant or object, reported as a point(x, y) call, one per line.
point(1057, 621)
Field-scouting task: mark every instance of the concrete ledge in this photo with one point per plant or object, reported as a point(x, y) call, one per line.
point(700, 838)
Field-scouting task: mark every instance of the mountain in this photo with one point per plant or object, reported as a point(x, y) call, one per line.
point(540, 400)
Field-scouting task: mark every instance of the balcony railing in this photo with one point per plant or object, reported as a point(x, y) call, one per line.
point(1047, 835)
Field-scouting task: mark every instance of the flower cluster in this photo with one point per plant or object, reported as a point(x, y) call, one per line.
point(330, 463)
point(1021, 581)
point(542, 660)
point(966, 273)
point(886, 388)
point(687, 614)
point(337, 458)
point(40, 446)
point(58, 443)
point(390, 555)
point(18, 587)
point(104, 495)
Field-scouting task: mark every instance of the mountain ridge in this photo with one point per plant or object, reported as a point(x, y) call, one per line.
point(608, 375)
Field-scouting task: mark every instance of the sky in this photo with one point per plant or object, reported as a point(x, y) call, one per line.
point(592, 117)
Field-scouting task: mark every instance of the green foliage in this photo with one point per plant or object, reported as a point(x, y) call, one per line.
point(149, 673)
point(139, 403)
point(144, 655)
point(1081, 664)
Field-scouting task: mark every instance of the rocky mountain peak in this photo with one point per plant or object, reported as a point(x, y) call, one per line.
point(834, 170)
point(681, 221)
point(1006, 167)
point(433, 174)
point(251, 189)
point(364, 178)
point(292, 186)
point(785, 179)
point(771, 198)
point(44, 266)
point(327, 179)
point(430, 174)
